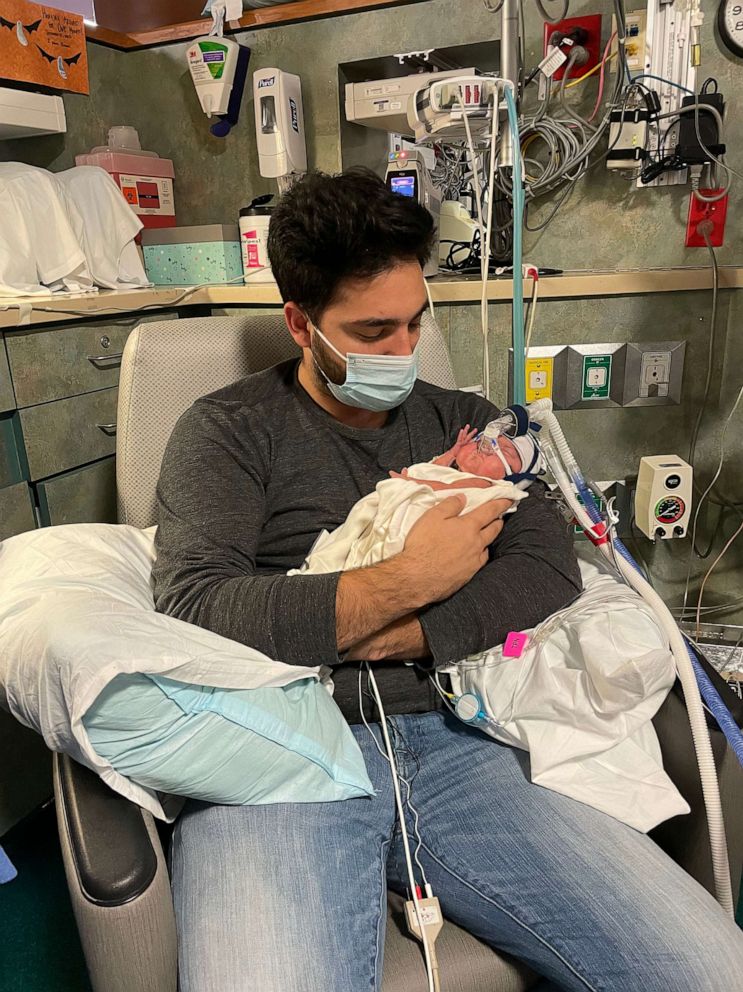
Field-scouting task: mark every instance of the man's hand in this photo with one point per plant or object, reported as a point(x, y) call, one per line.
point(444, 550)
point(402, 640)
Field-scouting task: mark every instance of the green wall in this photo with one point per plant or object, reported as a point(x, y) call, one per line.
point(608, 223)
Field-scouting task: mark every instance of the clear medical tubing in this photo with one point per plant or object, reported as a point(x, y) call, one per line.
point(517, 312)
point(541, 411)
point(708, 691)
point(711, 696)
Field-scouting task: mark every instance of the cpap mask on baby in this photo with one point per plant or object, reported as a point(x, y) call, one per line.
point(513, 423)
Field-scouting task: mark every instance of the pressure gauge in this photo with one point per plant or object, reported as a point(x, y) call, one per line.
point(730, 25)
point(669, 509)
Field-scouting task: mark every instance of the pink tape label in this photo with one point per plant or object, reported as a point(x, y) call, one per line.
point(514, 644)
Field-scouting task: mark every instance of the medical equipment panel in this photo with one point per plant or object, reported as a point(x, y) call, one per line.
point(407, 175)
point(663, 496)
point(383, 103)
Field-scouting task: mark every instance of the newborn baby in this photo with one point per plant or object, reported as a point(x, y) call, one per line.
point(491, 462)
point(484, 466)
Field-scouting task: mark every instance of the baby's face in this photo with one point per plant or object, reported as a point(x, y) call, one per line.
point(471, 459)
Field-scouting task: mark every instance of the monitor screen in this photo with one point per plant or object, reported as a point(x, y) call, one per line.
point(403, 184)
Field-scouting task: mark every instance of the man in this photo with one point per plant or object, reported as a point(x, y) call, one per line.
point(291, 898)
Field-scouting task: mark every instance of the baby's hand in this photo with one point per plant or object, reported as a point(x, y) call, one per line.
point(399, 475)
point(465, 436)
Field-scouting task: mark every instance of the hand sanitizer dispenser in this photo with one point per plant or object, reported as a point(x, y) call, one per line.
point(219, 68)
point(279, 124)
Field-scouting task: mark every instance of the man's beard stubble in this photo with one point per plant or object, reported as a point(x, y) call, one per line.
point(330, 364)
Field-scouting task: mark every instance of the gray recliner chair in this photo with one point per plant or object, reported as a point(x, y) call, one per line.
point(114, 852)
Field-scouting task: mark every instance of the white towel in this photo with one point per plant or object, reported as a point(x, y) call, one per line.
point(37, 236)
point(105, 226)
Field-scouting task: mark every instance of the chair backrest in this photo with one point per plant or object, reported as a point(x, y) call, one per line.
point(168, 365)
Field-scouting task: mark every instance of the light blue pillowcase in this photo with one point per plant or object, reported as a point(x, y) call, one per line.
point(231, 746)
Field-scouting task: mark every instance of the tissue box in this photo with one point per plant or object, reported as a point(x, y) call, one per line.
point(189, 256)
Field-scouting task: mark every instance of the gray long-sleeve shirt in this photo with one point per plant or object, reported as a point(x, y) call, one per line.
point(253, 473)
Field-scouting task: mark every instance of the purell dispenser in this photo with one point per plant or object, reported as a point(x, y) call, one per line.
point(279, 125)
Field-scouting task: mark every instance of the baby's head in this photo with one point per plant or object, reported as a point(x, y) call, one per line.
point(487, 463)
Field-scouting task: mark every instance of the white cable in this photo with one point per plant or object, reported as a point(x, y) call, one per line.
point(709, 489)
point(145, 306)
point(484, 254)
point(408, 786)
point(532, 314)
point(430, 300)
point(485, 251)
point(403, 828)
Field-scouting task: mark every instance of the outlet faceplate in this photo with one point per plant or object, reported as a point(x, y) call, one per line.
point(715, 213)
point(591, 23)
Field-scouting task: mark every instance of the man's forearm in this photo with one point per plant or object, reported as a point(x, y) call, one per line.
point(370, 599)
point(402, 640)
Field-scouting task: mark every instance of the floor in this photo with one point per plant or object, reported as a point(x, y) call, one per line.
point(39, 946)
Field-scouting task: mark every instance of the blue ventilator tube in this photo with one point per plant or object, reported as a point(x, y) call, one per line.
point(517, 333)
point(709, 693)
point(7, 871)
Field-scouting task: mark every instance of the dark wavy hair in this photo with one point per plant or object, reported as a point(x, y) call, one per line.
point(326, 229)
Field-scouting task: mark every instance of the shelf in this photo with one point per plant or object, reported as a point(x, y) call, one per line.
point(263, 17)
point(461, 290)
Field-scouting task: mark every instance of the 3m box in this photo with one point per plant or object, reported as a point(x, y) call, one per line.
point(190, 256)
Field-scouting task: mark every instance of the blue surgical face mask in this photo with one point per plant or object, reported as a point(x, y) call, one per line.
point(373, 382)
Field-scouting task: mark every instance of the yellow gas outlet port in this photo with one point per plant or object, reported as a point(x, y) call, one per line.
point(538, 379)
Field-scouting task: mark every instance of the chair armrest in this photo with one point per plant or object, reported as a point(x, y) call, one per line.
point(118, 881)
point(112, 852)
point(685, 838)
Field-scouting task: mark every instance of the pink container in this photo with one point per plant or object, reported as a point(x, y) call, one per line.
point(145, 180)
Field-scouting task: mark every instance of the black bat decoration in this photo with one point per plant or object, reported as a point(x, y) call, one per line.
point(53, 58)
point(11, 25)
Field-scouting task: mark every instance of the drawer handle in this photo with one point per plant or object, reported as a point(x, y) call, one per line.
point(93, 359)
point(109, 429)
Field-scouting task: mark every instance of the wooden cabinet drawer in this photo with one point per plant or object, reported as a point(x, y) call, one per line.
point(67, 433)
point(12, 457)
point(16, 510)
point(7, 399)
point(66, 361)
point(85, 495)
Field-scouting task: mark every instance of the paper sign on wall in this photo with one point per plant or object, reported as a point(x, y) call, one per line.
point(43, 45)
point(85, 8)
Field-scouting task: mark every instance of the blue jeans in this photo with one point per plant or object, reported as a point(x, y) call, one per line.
point(291, 898)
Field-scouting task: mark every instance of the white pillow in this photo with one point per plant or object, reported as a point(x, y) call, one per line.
point(76, 610)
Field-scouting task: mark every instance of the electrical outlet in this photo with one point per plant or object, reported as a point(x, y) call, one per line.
point(591, 24)
point(714, 212)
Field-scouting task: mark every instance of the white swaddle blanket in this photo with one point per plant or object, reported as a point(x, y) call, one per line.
point(581, 701)
point(377, 525)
